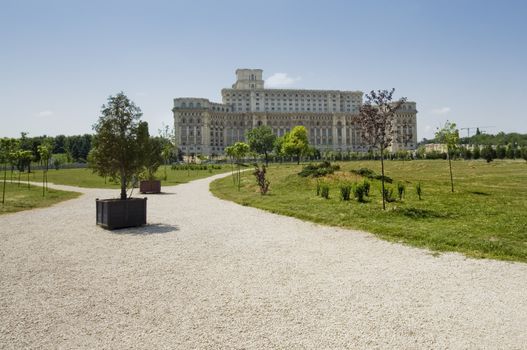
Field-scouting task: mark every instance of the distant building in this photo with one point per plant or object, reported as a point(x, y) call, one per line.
point(205, 127)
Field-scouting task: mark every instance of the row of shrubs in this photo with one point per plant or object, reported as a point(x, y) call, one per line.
point(318, 170)
point(361, 190)
point(370, 174)
point(195, 166)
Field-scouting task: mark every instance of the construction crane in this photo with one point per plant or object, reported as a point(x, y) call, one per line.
point(475, 127)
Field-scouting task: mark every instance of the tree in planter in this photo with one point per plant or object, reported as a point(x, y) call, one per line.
point(261, 141)
point(120, 141)
point(449, 135)
point(296, 143)
point(376, 121)
point(152, 161)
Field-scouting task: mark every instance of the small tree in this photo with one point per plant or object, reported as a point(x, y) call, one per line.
point(449, 135)
point(263, 183)
point(277, 147)
point(523, 152)
point(377, 122)
point(296, 142)
point(119, 142)
point(44, 151)
point(488, 153)
point(8, 147)
point(238, 151)
point(168, 145)
point(261, 140)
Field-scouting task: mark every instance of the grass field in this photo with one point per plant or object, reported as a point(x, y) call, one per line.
point(485, 217)
point(86, 178)
point(18, 198)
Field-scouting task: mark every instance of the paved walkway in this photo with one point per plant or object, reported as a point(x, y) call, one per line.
point(207, 273)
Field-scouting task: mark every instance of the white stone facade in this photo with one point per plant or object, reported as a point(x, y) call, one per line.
point(204, 127)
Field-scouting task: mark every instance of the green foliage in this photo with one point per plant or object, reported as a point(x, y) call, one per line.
point(345, 191)
point(388, 194)
point(488, 153)
point(153, 157)
point(401, 188)
point(419, 190)
point(370, 174)
point(120, 142)
point(318, 170)
point(324, 191)
point(296, 143)
point(360, 191)
point(261, 140)
point(366, 186)
point(449, 135)
point(476, 152)
point(524, 152)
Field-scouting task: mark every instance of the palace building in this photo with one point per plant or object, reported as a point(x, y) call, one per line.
point(205, 127)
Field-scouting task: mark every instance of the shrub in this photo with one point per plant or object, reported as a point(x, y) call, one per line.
point(419, 190)
point(366, 185)
point(318, 170)
point(370, 174)
point(263, 183)
point(345, 191)
point(318, 188)
point(359, 192)
point(324, 191)
point(401, 189)
point(388, 194)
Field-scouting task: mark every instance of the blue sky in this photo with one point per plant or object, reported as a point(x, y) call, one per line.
point(459, 60)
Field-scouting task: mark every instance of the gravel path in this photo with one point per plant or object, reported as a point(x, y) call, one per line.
point(207, 273)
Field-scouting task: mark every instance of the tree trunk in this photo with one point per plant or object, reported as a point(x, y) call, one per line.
point(123, 185)
point(450, 167)
point(5, 178)
point(28, 185)
point(266, 159)
point(43, 183)
point(382, 181)
point(298, 159)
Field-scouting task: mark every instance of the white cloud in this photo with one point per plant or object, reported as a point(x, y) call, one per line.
point(46, 113)
point(442, 110)
point(280, 80)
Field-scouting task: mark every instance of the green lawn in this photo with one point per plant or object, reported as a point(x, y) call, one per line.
point(18, 198)
point(86, 178)
point(485, 217)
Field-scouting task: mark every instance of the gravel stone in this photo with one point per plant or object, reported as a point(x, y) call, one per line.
point(211, 274)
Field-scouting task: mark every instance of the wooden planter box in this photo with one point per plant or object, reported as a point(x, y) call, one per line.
point(150, 186)
point(119, 213)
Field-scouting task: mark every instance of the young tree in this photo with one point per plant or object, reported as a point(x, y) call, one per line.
point(296, 142)
point(261, 140)
point(477, 152)
point(120, 141)
point(488, 153)
point(501, 152)
point(44, 151)
point(449, 135)
point(239, 150)
point(277, 147)
point(7, 148)
point(376, 121)
point(168, 137)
